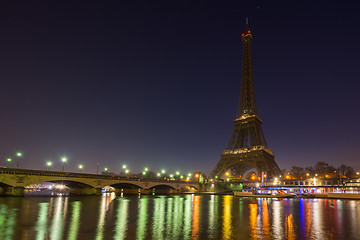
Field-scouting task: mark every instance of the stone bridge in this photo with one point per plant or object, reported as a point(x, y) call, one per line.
point(14, 181)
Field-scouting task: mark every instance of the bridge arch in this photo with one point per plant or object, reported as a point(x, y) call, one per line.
point(162, 186)
point(125, 185)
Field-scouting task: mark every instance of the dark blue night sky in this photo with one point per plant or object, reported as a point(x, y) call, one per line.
point(156, 83)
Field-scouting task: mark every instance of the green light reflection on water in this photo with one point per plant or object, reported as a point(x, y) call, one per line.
point(75, 220)
point(41, 224)
point(188, 216)
point(177, 217)
point(3, 211)
point(213, 216)
point(158, 218)
point(142, 219)
point(101, 222)
point(9, 224)
point(122, 219)
point(57, 222)
point(169, 216)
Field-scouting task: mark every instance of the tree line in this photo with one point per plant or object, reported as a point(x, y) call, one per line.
point(321, 170)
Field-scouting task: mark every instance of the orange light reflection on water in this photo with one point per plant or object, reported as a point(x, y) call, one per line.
point(252, 221)
point(195, 218)
point(227, 223)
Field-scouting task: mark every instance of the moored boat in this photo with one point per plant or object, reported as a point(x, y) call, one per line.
point(272, 194)
point(344, 195)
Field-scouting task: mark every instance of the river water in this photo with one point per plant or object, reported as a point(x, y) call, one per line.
point(177, 217)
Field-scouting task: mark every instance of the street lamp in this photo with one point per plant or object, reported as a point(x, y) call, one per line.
point(127, 171)
point(146, 169)
point(124, 166)
point(106, 169)
point(19, 155)
point(48, 164)
point(81, 167)
point(177, 173)
point(9, 161)
point(63, 160)
point(97, 168)
point(163, 171)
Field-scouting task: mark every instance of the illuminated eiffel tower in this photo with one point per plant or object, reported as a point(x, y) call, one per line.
point(247, 148)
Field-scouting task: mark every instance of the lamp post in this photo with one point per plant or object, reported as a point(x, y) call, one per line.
point(97, 168)
point(48, 164)
point(19, 155)
point(81, 167)
point(63, 160)
point(9, 160)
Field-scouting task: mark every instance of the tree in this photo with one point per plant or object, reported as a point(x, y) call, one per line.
point(323, 168)
point(297, 172)
point(346, 171)
point(310, 170)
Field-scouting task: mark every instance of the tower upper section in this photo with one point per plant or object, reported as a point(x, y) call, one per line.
point(247, 105)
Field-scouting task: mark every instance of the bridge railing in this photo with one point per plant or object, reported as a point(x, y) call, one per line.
point(16, 171)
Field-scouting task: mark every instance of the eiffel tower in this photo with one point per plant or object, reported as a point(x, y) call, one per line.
point(247, 148)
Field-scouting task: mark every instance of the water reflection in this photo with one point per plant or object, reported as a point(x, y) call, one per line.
point(252, 221)
point(56, 229)
point(7, 222)
point(159, 218)
point(227, 224)
point(187, 216)
point(142, 218)
point(277, 224)
point(122, 219)
point(75, 220)
point(213, 216)
point(41, 224)
point(196, 218)
point(177, 217)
